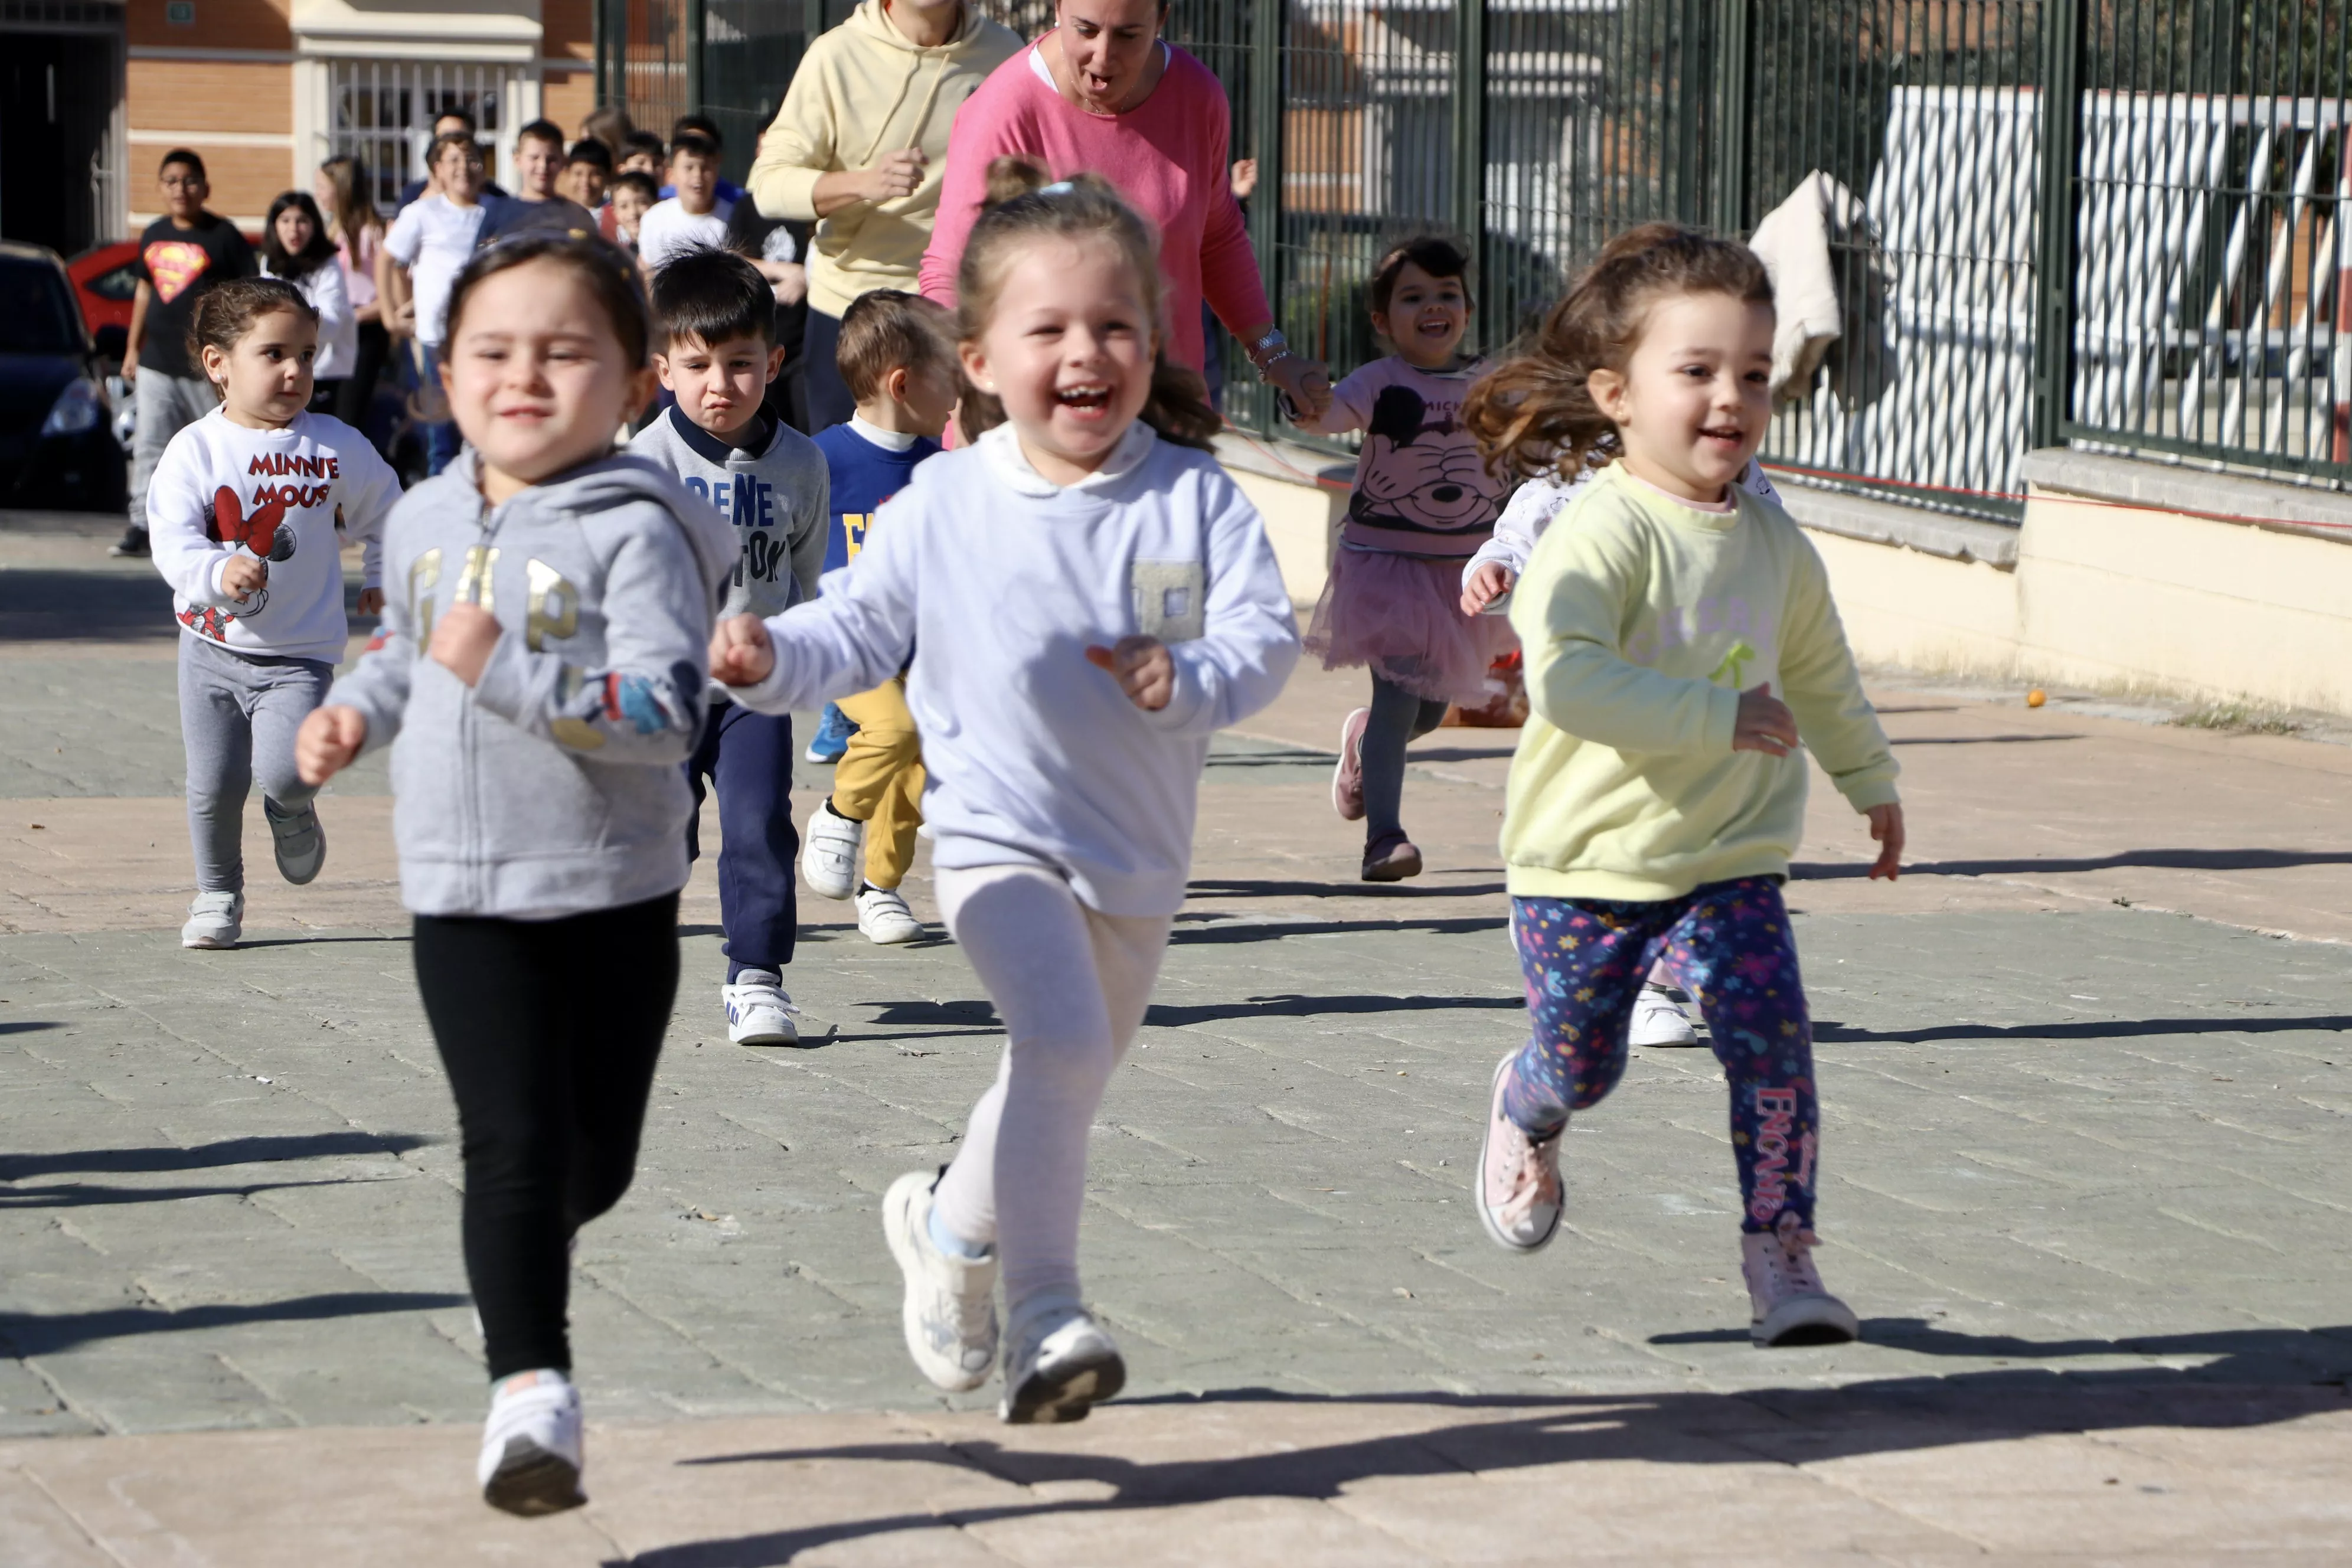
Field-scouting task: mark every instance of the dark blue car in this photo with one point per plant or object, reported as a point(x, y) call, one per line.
point(56, 446)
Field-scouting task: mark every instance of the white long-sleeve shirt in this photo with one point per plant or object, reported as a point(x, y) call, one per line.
point(222, 491)
point(996, 582)
point(1533, 506)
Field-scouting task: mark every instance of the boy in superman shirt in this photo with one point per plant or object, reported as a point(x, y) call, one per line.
point(898, 361)
point(716, 317)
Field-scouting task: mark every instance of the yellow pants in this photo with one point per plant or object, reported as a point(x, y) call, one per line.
point(879, 779)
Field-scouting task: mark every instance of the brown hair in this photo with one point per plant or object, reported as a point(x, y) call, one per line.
point(888, 330)
point(1023, 207)
point(446, 140)
point(353, 212)
point(607, 274)
point(226, 312)
point(1533, 414)
point(1439, 255)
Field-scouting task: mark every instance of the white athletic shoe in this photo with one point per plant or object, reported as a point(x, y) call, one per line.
point(215, 921)
point(1787, 1303)
point(1657, 1021)
point(884, 918)
point(299, 838)
point(831, 854)
point(530, 1459)
point(758, 1011)
point(1516, 1187)
point(950, 1307)
point(1059, 1364)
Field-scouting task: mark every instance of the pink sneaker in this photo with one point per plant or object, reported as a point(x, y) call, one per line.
point(1347, 778)
point(1518, 1187)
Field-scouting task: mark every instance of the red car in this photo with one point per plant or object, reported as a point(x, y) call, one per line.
point(105, 285)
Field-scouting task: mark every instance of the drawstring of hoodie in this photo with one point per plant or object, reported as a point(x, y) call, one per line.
point(930, 95)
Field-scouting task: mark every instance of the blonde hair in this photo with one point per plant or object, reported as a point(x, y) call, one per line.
point(1534, 414)
point(1025, 205)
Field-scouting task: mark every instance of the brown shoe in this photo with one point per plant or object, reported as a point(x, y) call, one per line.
point(1391, 860)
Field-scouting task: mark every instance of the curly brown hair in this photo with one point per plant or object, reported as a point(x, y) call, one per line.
point(1534, 414)
point(1026, 204)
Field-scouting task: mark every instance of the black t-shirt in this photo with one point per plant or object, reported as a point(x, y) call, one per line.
point(558, 217)
point(773, 239)
point(179, 264)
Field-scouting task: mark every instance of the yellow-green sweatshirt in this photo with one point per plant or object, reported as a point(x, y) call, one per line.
point(1643, 619)
point(864, 91)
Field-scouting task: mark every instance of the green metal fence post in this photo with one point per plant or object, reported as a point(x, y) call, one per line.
point(694, 56)
point(2063, 40)
point(1268, 61)
point(1470, 142)
point(1732, 49)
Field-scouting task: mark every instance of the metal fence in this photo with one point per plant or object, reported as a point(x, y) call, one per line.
point(2191, 300)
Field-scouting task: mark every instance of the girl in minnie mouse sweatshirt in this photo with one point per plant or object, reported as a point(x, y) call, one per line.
point(248, 511)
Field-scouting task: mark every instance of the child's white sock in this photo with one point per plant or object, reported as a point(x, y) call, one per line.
point(952, 1244)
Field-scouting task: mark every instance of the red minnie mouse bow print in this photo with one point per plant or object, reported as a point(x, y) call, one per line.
point(257, 533)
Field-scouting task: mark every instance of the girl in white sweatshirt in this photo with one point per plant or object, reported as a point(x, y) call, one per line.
point(1085, 596)
point(249, 510)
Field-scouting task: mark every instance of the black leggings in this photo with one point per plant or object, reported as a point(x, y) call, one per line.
point(355, 394)
point(548, 1031)
point(1397, 716)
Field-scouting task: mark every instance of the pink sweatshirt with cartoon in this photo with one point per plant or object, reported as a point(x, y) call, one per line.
point(1421, 487)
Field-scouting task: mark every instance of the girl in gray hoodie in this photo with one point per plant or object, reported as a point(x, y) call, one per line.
point(540, 677)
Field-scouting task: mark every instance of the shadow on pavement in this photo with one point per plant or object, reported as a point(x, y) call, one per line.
point(1214, 888)
point(1188, 935)
point(1775, 1426)
point(2156, 859)
point(1294, 1006)
point(33, 1334)
point(1827, 1033)
point(210, 1156)
point(40, 604)
point(2266, 1356)
point(78, 1195)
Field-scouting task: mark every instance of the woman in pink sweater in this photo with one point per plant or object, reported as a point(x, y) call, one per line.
point(1104, 93)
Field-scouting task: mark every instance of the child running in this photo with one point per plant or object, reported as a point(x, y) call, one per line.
point(1086, 597)
point(539, 677)
point(1423, 500)
point(898, 361)
point(716, 321)
point(1658, 792)
point(249, 510)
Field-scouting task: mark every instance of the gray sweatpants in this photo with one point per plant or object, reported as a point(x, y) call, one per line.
point(165, 404)
point(238, 713)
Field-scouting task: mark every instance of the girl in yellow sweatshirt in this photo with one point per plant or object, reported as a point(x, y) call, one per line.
point(1680, 644)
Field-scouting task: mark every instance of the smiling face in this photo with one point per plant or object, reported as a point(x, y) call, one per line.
point(1696, 394)
point(538, 380)
point(537, 163)
point(1425, 319)
point(1109, 47)
point(458, 168)
point(265, 376)
point(1069, 349)
point(719, 385)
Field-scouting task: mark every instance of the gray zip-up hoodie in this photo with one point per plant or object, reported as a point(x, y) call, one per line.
point(553, 787)
point(776, 499)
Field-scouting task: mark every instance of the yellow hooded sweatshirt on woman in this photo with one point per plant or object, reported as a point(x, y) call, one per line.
point(863, 91)
point(1643, 619)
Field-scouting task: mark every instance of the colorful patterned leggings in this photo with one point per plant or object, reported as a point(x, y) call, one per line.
point(1730, 945)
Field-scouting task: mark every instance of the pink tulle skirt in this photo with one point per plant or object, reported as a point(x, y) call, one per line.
point(1401, 615)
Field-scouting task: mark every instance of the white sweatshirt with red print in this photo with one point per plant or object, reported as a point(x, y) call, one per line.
point(291, 497)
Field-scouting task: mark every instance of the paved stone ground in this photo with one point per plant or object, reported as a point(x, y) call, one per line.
point(2085, 1180)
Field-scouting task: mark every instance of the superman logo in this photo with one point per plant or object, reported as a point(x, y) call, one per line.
point(174, 264)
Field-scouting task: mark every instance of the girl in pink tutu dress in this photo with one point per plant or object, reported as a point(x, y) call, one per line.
point(1424, 503)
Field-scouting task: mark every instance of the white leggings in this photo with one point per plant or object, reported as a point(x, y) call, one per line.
point(1071, 985)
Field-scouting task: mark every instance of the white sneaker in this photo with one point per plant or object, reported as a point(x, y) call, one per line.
point(530, 1459)
point(298, 840)
point(884, 918)
point(950, 1307)
point(831, 854)
point(1657, 1021)
point(1061, 1363)
point(758, 1011)
point(215, 921)
point(1787, 1303)
point(1517, 1188)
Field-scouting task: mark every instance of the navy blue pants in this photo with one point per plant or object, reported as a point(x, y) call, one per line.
point(748, 757)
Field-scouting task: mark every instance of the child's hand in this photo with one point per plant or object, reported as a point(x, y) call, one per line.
point(371, 602)
point(1765, 723)
point(1145, 669)
point(1487, 584)
point(1887, 827)
point(741, 652)
point(243, 575)
point(462, 639)
point(330, 738)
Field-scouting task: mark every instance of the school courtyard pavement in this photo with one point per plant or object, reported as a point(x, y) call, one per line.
point(2087, 1180)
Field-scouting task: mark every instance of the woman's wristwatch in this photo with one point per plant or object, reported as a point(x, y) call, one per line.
point(1264, 351)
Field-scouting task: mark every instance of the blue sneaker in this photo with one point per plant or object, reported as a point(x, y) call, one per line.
point(831, 737)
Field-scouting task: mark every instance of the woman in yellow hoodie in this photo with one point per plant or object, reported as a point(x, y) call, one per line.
point(859, 148)
point(1658, 791)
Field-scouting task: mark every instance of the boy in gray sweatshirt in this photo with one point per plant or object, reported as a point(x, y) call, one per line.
point(715, 316)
